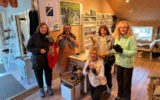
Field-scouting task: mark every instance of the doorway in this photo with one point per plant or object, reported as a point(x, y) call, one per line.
point(23, 32)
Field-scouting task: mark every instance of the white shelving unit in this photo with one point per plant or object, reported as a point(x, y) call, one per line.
point(91, 24)
point(88, 29)
point(104, 19)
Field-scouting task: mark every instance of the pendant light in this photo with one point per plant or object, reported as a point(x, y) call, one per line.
point(127, 1)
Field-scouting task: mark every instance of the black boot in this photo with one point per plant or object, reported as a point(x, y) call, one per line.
point(41, 93)
point(49, 90)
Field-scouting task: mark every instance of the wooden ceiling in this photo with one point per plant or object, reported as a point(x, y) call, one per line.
point(136, 10)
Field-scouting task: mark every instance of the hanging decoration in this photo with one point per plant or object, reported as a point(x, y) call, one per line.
point(4, 3)
point(13, 3)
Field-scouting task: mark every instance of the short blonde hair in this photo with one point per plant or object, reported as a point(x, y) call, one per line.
point(117, 33)
point(94, 48)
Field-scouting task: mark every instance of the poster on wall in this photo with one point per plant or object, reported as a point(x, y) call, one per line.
point(49, 11)
point(70, 13)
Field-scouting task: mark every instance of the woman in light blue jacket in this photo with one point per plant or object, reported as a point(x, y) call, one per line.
point(125, 49)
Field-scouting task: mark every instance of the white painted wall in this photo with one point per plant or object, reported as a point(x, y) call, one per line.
point(10, 22)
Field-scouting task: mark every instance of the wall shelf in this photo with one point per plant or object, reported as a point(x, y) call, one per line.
point(91, 24)
point(104, 19)
point(88, 28)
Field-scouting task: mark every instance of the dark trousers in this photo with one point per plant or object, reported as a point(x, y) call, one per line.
point(108, 66)
point(108, 75)
point(96, 92)
point(39, 76)
point(124, 79)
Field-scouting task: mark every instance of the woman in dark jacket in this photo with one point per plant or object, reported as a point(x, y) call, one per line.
point(38, 44)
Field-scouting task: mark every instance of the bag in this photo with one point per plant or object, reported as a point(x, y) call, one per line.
point(52, 58)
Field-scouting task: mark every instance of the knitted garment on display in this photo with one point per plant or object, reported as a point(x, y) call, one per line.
point(62, 43)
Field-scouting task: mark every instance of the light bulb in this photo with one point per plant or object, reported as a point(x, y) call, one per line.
point(127, 1)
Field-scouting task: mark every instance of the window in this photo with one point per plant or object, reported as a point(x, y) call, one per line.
point(143, 33)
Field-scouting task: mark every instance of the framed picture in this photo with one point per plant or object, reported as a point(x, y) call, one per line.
point(70, 13)
point(49, 11)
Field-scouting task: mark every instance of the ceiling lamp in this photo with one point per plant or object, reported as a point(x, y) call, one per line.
point(127, 1)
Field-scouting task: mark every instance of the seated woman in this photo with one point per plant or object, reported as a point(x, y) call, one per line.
point(95, 69)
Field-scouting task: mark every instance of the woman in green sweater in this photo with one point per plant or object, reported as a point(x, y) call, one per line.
point(125, 49)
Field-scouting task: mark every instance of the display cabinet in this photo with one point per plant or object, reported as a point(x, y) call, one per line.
point(104, 19)
point(91, 24)
point(88, 29)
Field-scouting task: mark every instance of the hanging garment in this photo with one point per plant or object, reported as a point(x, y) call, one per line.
point(33, 16)
point(13, 3)
point(114, 23)
point(52, 55)
point(0, 2)
point(4, 3)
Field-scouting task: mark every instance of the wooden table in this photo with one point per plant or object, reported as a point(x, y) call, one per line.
point(145, 47)
point(144, 50)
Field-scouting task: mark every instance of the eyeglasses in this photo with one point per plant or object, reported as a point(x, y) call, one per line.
point(93, 53)
point(123, 27)
point(67, 28)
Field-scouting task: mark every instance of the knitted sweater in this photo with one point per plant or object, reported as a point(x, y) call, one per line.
point(95, 80)
point(129, 46)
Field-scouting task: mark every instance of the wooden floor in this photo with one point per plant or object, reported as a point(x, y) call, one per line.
point(143, 67)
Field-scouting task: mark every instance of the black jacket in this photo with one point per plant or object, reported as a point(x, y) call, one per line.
point(35, 44)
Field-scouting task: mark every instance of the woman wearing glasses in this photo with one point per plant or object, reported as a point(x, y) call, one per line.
point(125, 49)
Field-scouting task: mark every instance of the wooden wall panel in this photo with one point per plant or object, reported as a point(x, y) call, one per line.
point(101, 6)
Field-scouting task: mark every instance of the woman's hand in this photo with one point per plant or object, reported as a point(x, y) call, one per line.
point(43, 51)
point(72, 39)
point(60, 38)
point(91, 66)
point(102, 54)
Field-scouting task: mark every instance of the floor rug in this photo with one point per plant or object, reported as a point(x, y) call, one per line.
point(9, 87)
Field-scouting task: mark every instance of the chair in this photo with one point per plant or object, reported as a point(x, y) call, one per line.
point(154, 87)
